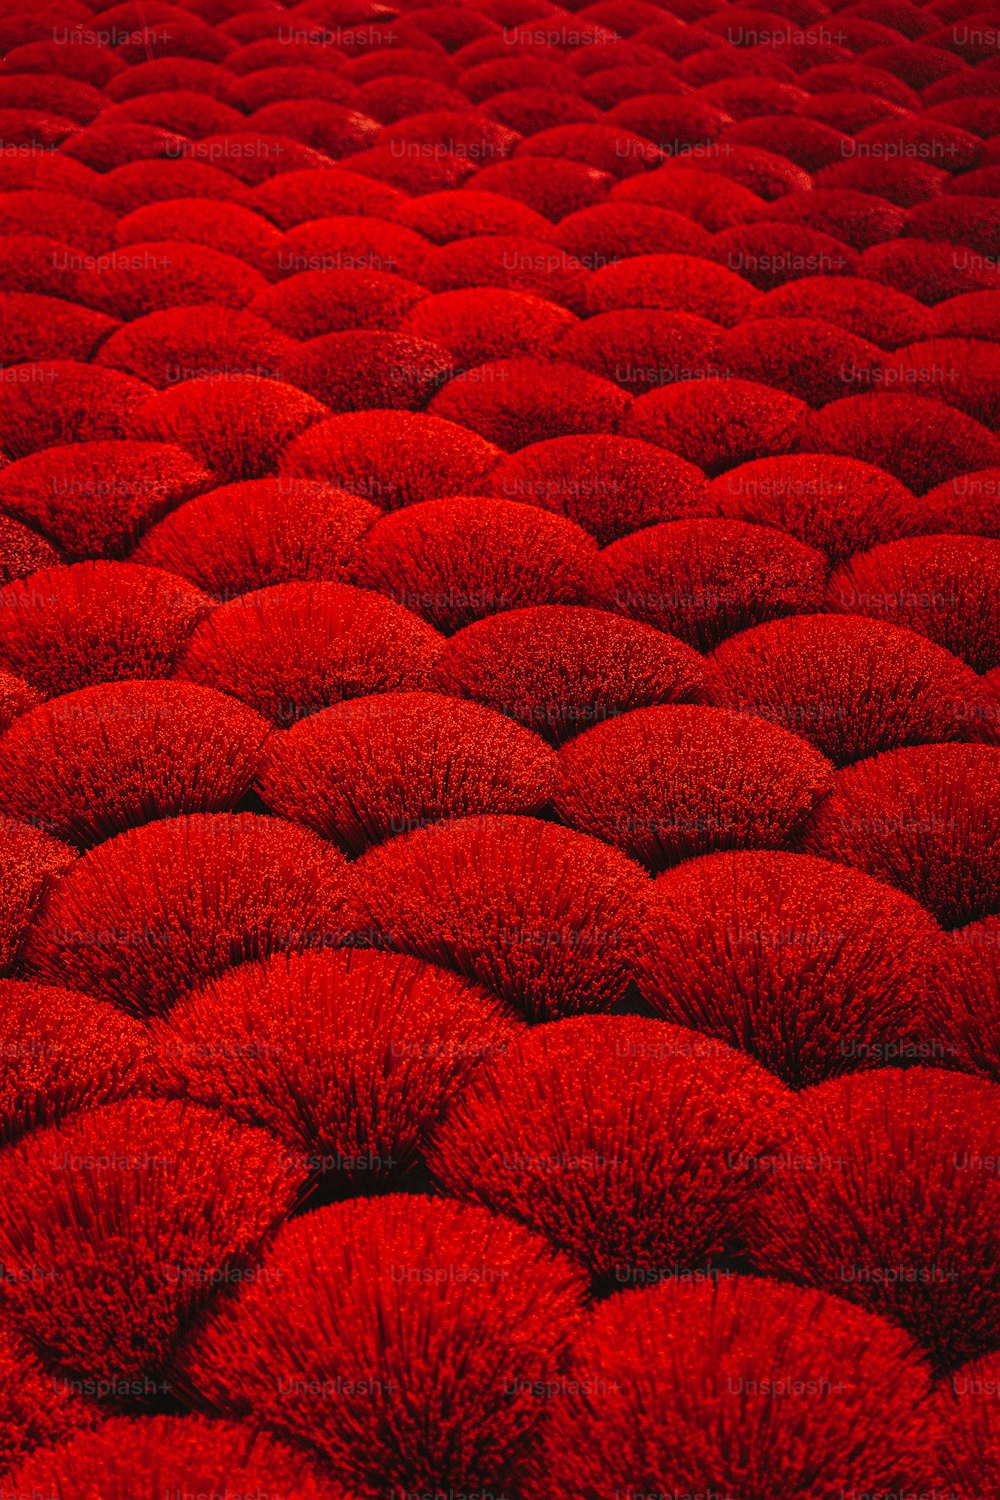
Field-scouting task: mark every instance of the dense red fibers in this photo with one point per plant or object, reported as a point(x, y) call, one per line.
point(615, 1137)
point(944, 587)
point(63, 1053)
point(668, 783)
point(64, 628)
point(922, 442)
point(127, 1458)
point(609, 485)
point(163, 908)
point(16, 698)
point(376, 767)
point(459, 560)
point(63, 401)
point(120, 1223)
point(312, 303)
point(806, 357)
point(45, 328)
point(347, 242)
point(448, 216)
point(901, 1213)
point(717, 424)
point(963, 372)
point(190, 343)
point(481, 324)
point(88, 765)
point(877, 313)
point(95, 499)
point(22, 551)
point(705, 579)
point(618, 231)
point(515, 261)
point(853, 686)
point(236, 424)
point(391, 458)
point(969, 1452)
point(246, 536)
point(968, 1001)
point(967, 504)
point(295, 648)
point(223, 226)
point(679, 283)
point(417, 1305)
point(362, 370)
point(705, 1387)
point(135, 279)
point(921, 819)
point(838, 505)
point(294, 197)
point(812, 968)
point(350, 1058)
point(34, 1409)
point(559, 669)
point(543, 917)
point(31, 861)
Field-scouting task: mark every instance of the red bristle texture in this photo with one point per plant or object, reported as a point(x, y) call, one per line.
point(512, 403)
point(22, 551)
point(922, 442)
point(63, 1053)
point(921, 819)
point(705, 579)
point(617, 231)
point(392, 458)
point(812, 968)
point(35, 1410)
point(127, 1458)
point(481, 324)
point(247, 536)
point(552, 186)
point(853, 686)
point(133, 280)
point(184, 111)
point(943, 587)
point(43, 328)
point(838, 505)
point(63, 401)
point(459, 560)
point(558, 669)
point(516, 262)
point(88, 765)
point(293, 649)
point(95, 499)
point(161, 909)
point(237, 425)
point(31, 863)
point(376, 767)
point(341, 242)
point(227, 227)
point(16, 698)
point(350, 1058)
point(668, 783)
point(880, 314)
point(770, 254)
point(118, 1226)
point(929, 271)
point(967, 504)
point(366, 369)
point(543, 917)
point(642, 348)
point(130, 187)
point(969, 1441)
point(609, 485)
point(417, 1305)
point(709, 199)
point(87, 226)
point(717, 424)
point(805, 357)
point(677, 283)
point(312, 303)
point(899, 1213)
point(179, 344)
point(294, 197)
point(744, 1387)
point(962, 372)
point(446, 217)
point(64, 628)
point(973, 316)
point(586, 1131)
point(968, 999)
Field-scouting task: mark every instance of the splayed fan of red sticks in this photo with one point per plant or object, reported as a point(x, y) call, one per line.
point(499, 750)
